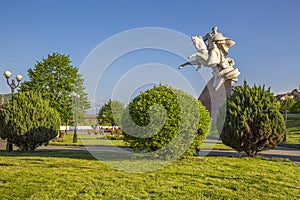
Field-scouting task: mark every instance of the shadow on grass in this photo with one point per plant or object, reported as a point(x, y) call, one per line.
point(294, 158)
point(102, 153)
point(51, 153)
point(84, 145)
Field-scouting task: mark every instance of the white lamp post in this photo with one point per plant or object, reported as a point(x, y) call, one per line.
point(75, 97)
point(13, 86)
point(285, 99)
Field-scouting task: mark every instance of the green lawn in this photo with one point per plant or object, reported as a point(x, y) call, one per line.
point(76, 175)
point(85, 139)
point(293, 129)
point(215, 146)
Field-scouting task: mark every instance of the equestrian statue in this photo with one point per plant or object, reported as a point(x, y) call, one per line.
point(213, 54)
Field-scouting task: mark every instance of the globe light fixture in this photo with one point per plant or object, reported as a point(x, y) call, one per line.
point(19, 78)
point(75, 104)
point(13, 86)
point(285, 99)
point(7, 74)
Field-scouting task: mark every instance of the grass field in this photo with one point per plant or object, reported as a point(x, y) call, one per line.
point(76, 175)
point(85, 139)
point(293, 129)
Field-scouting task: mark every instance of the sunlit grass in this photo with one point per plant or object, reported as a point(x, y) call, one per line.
point(293, 129)
point(76, 175)
point(216, 146)
point(84, 139)
point(99, 140)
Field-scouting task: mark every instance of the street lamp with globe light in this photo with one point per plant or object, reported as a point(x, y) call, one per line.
point(75, 104)
point(13, 86)
point(285, 100)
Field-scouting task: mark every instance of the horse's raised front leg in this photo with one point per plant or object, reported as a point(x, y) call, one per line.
point(184, 64)
point(194, 62)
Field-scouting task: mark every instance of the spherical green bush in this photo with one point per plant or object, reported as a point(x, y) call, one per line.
point(28, 121)
point(165, 120)
point(253, 122)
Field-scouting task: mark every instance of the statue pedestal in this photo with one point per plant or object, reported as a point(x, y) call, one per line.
point(213, 99)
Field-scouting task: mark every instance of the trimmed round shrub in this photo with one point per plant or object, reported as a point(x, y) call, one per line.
point(165, 120)
point(28, 121)
point(253, 121)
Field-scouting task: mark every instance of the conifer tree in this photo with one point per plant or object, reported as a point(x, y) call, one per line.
point(29, 122)
point(253, 121)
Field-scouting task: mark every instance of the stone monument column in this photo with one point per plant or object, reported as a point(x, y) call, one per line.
point(213, 99)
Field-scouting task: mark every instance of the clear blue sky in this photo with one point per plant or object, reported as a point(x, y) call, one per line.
point(266, 33)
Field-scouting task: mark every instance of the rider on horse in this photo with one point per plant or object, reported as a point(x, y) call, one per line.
point(217, 43)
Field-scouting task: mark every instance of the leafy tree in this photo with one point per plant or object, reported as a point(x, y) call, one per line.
point(295, 107)
point(253, 122)
point(167, 120)
point(55, 78)
point(110, 114)
point(287, 105)
point(29, 122)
